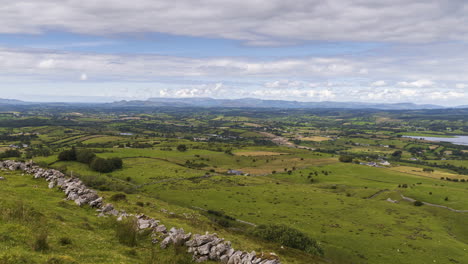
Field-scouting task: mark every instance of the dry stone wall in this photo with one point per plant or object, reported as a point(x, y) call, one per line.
point(203, 247)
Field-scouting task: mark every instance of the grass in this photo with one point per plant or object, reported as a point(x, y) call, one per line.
point(332, 210)
point(90, 239)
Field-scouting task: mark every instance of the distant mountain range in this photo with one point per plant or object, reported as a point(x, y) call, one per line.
point(12, 102)
point(244, 103)
point(259, 103)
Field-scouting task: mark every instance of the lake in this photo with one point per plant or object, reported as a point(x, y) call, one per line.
point(458, 140)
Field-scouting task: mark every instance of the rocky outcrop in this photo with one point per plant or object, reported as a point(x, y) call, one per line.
point(73, 188)
point(203, 247)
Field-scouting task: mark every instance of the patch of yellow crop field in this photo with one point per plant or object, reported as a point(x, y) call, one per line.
point(252, 125)
point(436, 174)
point(259, 153)
point(315, 138)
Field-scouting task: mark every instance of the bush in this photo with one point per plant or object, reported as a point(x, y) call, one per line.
point(418, 203)
point(182, 147)
point(345, 158)
point(288, 236)
point(118, 197)
point(127, 231)
point(40, 242)
point(65, 241)
point(106, 165)
point(11, 153)
point(67, 155)
point(85, 156)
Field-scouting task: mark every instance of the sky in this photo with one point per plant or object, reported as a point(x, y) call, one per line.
point(306, 50)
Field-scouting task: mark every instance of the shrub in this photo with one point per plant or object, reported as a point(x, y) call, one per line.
point(288, 236)
point(182, 147)
point(418, 203)
point(65, 241)
point(106, 165)
point(345, 158)
point(40, 242)
point(85, 156)
point(141, 204)
point(118, 197)
point(67, 155)
point(11, 153)
point(127, 231)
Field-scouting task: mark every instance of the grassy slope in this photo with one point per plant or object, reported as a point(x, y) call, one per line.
point(350, 228)
point(93, 239)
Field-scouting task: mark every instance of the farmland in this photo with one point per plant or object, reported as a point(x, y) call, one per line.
point(336, 176)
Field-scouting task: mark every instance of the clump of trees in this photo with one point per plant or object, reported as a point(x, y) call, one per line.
point(10, 153)
point(86, 156)
point(288, 236)
point(182, 148)
point(345, 158)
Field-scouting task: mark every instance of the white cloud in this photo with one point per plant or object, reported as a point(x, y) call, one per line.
point(46, 64)
point(378, 83)
point(417, 84)
point(147, 67)
point(260, 22)
point(461, 86)
point(83, 77)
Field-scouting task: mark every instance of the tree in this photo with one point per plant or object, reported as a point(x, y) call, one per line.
point(117, 163)
point(428, 170)
point(182, 148)
point(101, 165)
point(397, 154)
point(345, 158)
point(85, 156)
point(67, 155)
point(11, 153)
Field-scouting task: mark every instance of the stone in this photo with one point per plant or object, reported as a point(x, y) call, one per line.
point(161, 229)
point(165, 242)
point(205, 249)
point(107, 208)
point(51, 184)
point(96, 203)
point(201, 259)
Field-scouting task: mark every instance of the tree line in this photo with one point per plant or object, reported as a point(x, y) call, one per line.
point(87, 156)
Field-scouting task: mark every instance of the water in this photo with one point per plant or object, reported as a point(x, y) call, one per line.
point(457, 140)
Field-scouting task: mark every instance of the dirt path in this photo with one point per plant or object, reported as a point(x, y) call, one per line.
point(434, 205)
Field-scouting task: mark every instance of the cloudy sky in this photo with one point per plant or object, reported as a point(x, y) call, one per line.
point(307, 50)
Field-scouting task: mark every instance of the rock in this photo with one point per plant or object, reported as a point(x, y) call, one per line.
point(161, 229)
point(96, 203)
point(199, 240)
point(107, 208)
point(165, 242)
point(201, 259)
point(205, 249)
point(2, 178)
point(235, 258)
point(224, 259)
point(51, 184)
